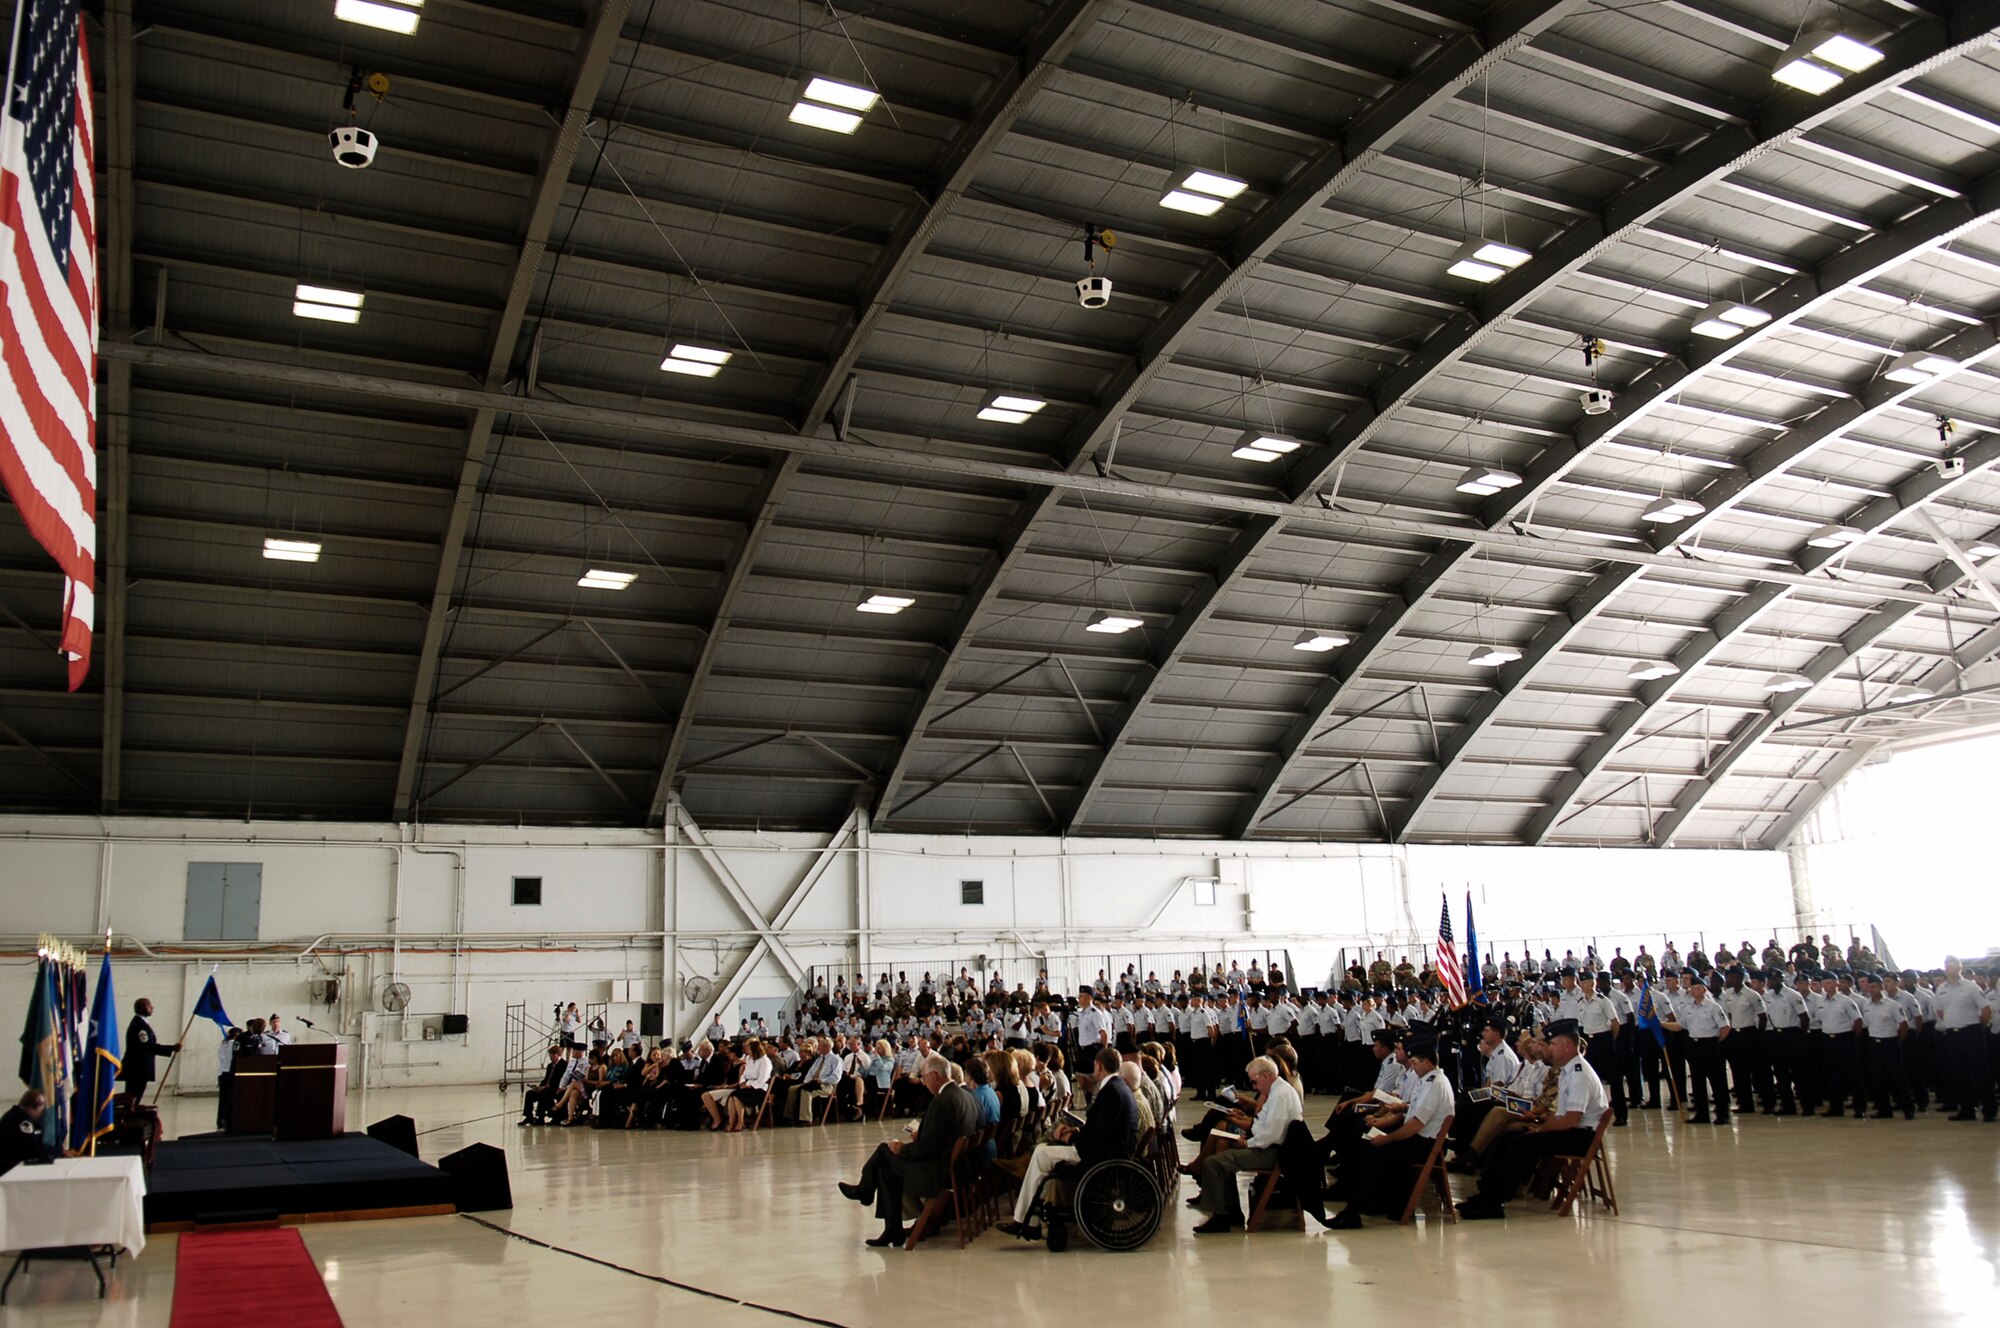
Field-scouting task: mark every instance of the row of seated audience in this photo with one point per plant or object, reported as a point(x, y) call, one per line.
point(1376, 1140)
point(729, 1086)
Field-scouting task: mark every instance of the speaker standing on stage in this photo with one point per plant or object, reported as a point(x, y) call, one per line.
point(141, 1046)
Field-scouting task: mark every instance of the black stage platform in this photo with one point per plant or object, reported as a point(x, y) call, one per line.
point(217, 1179)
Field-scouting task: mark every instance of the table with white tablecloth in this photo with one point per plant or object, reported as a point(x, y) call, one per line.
point(73, 1203)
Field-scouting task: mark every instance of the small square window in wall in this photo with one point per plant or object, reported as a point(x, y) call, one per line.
point(1204, 893)
point(527, 890)
point(972, 892)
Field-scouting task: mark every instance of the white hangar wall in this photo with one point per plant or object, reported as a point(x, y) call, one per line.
point(628, 916)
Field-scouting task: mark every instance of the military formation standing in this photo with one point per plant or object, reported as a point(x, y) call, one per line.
point(1782, 1038)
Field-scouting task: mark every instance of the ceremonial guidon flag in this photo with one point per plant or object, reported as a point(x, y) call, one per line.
point(97, 1082)
point(1643, 1013)
point(48, 304)
point(1447, 961)
point(209, 1006)
point(1475, 980)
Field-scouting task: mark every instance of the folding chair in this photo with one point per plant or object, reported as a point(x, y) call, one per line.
point(933, 1209)
point(1589, 1174)
point(982, 1185)
point(1167, 1161)
point(1264, 1184)
point(966, 1200)
point(1431, 1175)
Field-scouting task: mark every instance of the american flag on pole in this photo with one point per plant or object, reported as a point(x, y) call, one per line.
point(1447, 960)
point(48, 304)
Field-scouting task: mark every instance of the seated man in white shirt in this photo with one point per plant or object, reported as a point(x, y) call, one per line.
point(1376, 1176)
point(1498, 1068)
point(1581, 1103)
point(1221, 1196)
point(1353, 1115)
point(1533, 1081)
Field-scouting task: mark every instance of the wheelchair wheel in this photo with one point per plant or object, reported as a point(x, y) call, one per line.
point(1117, 1205)
point(1056, 1234)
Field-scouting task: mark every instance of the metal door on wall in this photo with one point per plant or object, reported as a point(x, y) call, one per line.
point(224, 901)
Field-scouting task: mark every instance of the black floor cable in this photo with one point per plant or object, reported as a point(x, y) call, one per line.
point(651, 1277)
point(457, 1124)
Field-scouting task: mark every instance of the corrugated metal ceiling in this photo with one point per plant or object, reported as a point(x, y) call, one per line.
point(566, 191)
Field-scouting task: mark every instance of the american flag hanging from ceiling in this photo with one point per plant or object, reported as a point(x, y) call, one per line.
point(48, 304)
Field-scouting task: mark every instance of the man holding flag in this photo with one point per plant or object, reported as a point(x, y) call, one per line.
point(142, 1045)
point(1653, 1044)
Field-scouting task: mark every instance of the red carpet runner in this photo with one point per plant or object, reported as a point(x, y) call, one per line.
point(226, 1279)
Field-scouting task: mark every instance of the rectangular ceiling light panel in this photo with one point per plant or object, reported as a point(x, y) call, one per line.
point(833, 92)
point(885, 604)
point(696, 361)
point(829, 118)
point(399, 16)
point(328, 304)
point(282, 550)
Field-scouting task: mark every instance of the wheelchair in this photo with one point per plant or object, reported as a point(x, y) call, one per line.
point(1116, 1204)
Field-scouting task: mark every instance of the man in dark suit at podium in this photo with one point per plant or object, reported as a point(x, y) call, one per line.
point(922, 1165)
point(141, 1046)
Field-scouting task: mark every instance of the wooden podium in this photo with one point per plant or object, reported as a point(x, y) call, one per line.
point(253, 1094)
point(312, 1091)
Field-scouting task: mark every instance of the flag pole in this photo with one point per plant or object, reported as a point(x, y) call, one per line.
point(179, 1042)
point(97, 1107)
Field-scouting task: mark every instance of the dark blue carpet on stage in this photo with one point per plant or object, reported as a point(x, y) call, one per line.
point(218, 1178)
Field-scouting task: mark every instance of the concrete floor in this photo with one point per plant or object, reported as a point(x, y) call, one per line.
point(1857, 1219)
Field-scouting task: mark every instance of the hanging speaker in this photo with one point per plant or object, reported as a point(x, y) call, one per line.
point(479, 1178)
